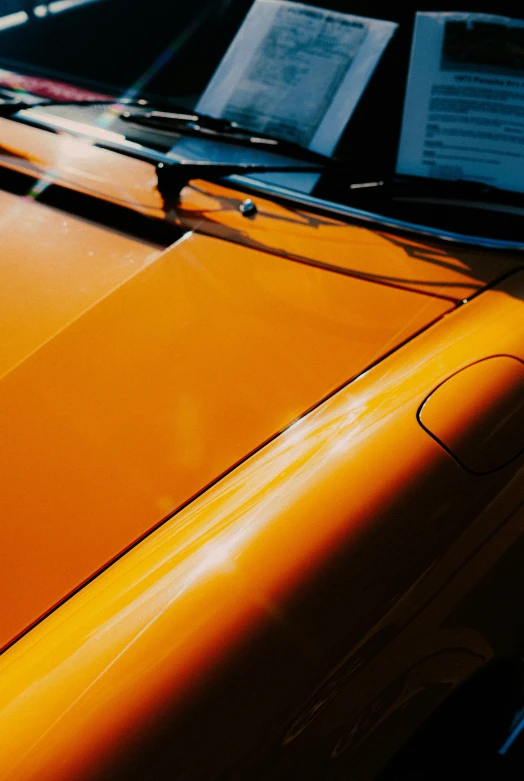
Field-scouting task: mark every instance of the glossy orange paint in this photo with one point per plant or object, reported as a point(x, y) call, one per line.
point(431, 266)
point(158, 389)
point(288, 543)
point(53, 268)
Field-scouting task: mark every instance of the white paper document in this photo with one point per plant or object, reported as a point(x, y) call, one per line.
point(295, 72)
point(464, 107)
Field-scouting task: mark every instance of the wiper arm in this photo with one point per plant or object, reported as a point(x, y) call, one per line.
point(172, 177)
point(204, 126)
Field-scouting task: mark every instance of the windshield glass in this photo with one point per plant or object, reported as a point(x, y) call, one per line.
point(168, 52)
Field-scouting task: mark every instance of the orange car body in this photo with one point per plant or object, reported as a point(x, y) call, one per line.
point(262, 489)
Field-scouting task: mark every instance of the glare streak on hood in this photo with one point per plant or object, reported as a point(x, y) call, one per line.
point(162, 384)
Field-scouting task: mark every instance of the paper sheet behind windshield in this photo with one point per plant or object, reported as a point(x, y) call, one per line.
point(295, 72)
point(464, 109)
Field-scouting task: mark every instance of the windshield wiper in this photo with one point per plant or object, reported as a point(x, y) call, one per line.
point(172, 177)
point(213, 129)
point(175, 122)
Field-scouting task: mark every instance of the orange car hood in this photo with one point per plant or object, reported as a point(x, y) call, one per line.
point(132, 378)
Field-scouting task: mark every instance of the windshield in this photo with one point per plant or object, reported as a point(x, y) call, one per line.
point(168, 52)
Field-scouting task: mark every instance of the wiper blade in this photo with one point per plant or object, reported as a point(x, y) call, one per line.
point(172, 118)
point(172, 177)
point(213, 129)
